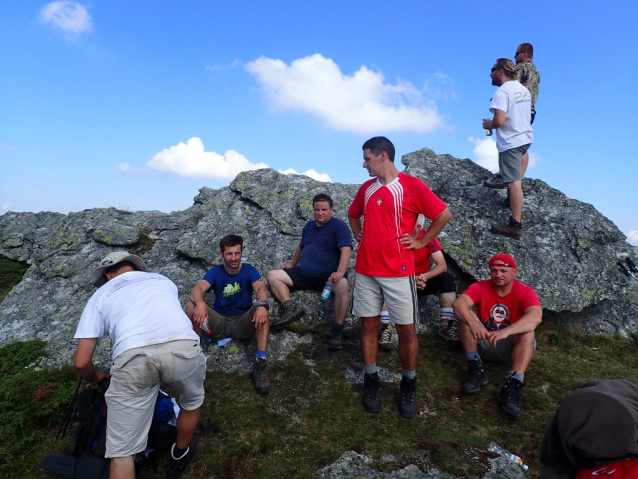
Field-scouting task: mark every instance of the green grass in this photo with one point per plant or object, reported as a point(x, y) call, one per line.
point(11, 273)
point(312, 416)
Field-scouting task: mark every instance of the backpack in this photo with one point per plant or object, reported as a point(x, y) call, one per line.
point(627, 469)
point(86, 460)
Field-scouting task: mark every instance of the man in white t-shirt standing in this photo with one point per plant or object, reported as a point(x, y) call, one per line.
point(153, 341)
point(511, 106)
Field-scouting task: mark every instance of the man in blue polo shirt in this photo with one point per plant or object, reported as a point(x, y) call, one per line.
point(323, 255)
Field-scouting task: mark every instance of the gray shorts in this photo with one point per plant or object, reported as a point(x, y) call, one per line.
point(136, 376)
point(236, 326)
point(502, 353)
point(509, 161)
point(399, 295)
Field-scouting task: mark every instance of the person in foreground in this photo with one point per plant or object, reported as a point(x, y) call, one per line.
point(429, 281)
point(593, 434)
point(502, 329)
point(511, 106)
point(391, 203)
point(234, 314)
point(153, 342)
point(322, 255)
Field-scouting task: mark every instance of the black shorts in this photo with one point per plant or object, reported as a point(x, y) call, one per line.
point(299, 281)
point(443, 283)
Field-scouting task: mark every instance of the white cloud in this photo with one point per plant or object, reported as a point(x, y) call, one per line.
point(233, 64)
point(485, 153)
point(124, 167)
point(70, 17)
point(632, 237)
point(533, 160)
point(6, 206)
point(363, 102)
point(190, 160)
point(311, 173)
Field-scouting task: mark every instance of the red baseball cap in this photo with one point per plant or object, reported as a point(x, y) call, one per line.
point(505, 259)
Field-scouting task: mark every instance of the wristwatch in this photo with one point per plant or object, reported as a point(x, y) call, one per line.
point(261, 302)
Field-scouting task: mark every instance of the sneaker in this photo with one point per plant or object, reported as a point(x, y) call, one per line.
point(495, 182)
point(407, 405)
point(176, 467)
point(514, 229)
point(260, 376)
point(449, 331)
point(475, 378)
point(510, 397)
point(288, 312)
point(335, 343)
point(385, 337)
point(371, 392)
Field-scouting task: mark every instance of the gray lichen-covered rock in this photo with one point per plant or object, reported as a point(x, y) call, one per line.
point(352, 465)
point(568, 252)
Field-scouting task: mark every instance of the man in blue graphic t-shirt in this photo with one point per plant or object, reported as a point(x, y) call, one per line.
point(234, 314)
point(323, 255)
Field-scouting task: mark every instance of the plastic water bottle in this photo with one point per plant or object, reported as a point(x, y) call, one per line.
point(493, 447)
point(206, 328)
point(325, 294)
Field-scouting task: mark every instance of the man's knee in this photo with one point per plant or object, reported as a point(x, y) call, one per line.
point(524, 340)
point(341, 287)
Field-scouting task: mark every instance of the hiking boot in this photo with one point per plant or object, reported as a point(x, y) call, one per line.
point(371, 392)
point(514, 229)
point(510, 397)
point(335, 343)
point(288, 312)
point(449, 331)
point(495, 182)
point(385, 337)
point(176, 467)
point(407, 405)
point(260, 376)
point(475, 377)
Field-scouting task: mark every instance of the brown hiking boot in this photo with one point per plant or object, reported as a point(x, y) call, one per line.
point(514, 229)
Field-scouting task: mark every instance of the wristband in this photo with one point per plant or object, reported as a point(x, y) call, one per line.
point(261, 302)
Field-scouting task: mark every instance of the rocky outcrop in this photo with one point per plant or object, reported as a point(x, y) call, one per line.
point(568, 251)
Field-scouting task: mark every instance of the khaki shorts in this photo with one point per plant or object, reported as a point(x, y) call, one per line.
point(502, 353)
point(136, 376)
point(236, 326)
point(399, 295)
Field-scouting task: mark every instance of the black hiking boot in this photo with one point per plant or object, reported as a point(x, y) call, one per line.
point(288, 312)
point(335, 343)
point(475, 377)
point(510, 396)
point(372, 392)
point(407, 405)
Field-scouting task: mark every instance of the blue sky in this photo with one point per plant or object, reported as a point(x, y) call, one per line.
point(139, 104)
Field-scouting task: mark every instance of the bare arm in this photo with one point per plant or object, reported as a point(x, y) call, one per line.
point(344, 261)
point(440, 266)
point(532, 318)
point(357, 228)
point(84, 362)
point(295, 259)
point(200, 314)
point(433, 231)
point(464, 313)
point(496, 122)
point(260, 313)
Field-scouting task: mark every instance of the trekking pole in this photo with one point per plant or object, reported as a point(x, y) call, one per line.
point(631, 264)
point(69, 412)
point(625, 271)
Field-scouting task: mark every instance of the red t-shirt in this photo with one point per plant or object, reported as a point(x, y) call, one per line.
point(389, 212)
point(498, 312)
point(614, 470)
point(422, 256)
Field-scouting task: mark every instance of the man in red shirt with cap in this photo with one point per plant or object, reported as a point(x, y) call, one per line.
point(502, 329)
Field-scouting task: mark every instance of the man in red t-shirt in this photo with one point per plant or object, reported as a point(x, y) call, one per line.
point(502, 329)
point(391, 203)
point(437, 280)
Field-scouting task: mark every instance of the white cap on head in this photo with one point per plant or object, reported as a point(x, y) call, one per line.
point(98, 278)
